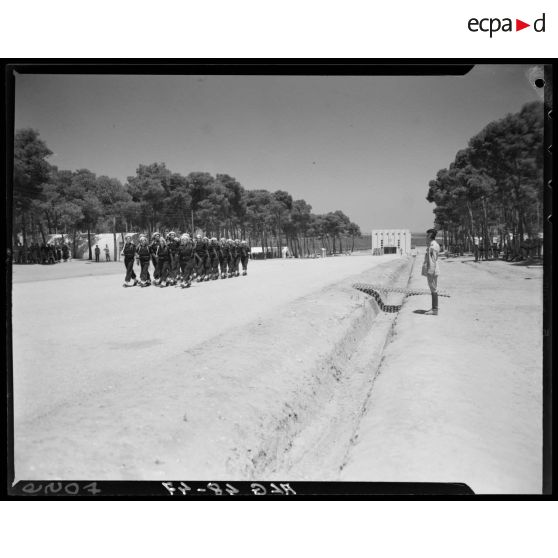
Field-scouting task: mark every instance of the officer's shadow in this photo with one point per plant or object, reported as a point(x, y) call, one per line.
point(420, 311)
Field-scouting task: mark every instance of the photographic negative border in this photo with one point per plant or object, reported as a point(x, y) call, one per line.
point(211, 489)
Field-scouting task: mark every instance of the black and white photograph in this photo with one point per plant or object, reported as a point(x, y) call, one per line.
point(288, 278)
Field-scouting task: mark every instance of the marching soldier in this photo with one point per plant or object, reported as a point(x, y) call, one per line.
point(153, 248)
point(163, 264)
point(51, 254)
point(201, 255)
point(236, 257)
point(244, 255)
point(186, 259)
point(129, 252)
point(143, 254)
point(173, 244)
point(224, 257)
point(232, 257)
point(214, 251)
point(207, 262)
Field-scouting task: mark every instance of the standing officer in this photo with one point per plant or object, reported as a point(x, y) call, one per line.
point(129, 252)
point(430, 268)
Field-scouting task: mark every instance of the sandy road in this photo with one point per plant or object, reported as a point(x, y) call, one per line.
point(85, 340)
point(459, 396)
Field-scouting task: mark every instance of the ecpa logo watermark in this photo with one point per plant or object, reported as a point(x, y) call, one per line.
point(493, 25)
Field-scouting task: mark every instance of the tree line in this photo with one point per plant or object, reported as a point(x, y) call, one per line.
point(494, 187)
point(47, 200)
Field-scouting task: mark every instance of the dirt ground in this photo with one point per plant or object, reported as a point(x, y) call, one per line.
point(115, 383)
point(283, 374)
point(459, 396)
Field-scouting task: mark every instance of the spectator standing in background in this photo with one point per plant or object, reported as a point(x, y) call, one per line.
point(97, 253)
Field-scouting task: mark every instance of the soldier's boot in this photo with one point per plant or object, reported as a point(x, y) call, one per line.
point(244, 272)
point(237, 274)
point(434, 311)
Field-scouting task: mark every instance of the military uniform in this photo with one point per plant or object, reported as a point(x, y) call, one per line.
point(224, 258)
point(143, 252)
point(186, 260)
point(163, 264)
point(213, 262)
point(173, 245)
point(153, 248)
point(201, 255)
point(233, 259)
point(129, 252)
point(244, 256)
point(431, 269)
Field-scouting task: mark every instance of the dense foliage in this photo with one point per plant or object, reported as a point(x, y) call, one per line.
point(494, 187)
point(51, 201)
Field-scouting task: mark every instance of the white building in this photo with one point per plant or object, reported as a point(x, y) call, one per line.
point(391, 241)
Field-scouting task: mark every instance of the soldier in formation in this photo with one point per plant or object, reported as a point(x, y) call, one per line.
point(177, 261)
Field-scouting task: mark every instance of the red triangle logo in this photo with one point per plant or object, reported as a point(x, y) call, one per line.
point(519, 25)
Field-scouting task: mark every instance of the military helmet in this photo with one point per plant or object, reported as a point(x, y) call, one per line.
point(171, 233)
point(127, 236)
point(243, 242)
point(198, 237)
point(155, 234)
point(223, 239)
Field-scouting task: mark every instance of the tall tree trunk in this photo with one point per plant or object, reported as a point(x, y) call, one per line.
point(23, 227)
point(42, 232)
point(116, 253)
point(485, 229)
point(89, 242)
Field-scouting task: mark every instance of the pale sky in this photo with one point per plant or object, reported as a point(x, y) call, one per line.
point(365, 145)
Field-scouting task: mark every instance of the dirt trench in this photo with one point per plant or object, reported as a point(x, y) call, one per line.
point(310, 437)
